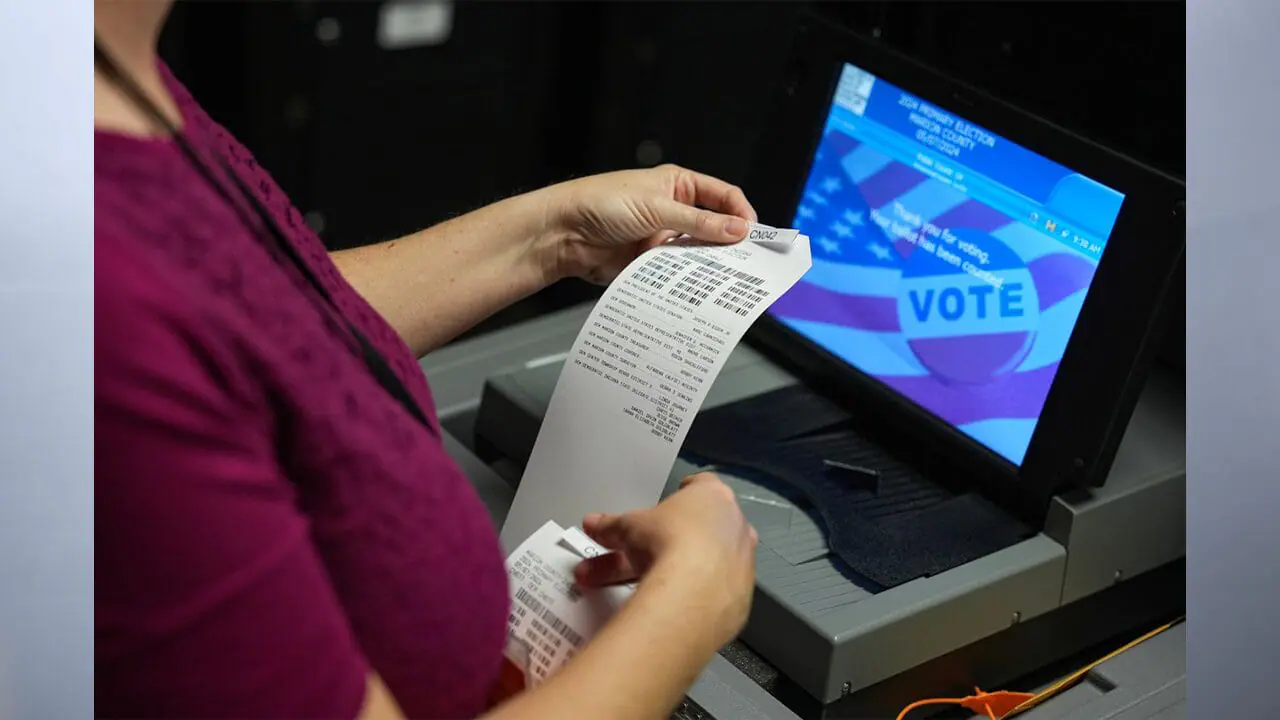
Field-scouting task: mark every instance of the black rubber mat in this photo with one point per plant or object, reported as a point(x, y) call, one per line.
point(894, 529)
point(764, 419)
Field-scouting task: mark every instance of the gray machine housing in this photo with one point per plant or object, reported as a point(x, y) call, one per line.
point(825, 634)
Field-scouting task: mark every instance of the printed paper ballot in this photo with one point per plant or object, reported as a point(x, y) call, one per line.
point(551, 619)
point(639, 370)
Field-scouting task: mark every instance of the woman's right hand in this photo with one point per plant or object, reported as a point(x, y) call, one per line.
point(696, 546)
point(694, 555)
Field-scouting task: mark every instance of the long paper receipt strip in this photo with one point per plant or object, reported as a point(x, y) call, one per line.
point(636, 375)
point(551, 619)
point(639, 371)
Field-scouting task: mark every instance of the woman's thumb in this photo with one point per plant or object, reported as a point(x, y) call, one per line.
point(704, 225)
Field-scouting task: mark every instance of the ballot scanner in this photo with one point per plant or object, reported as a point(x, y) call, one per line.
point(977, 343)
point(1109, 563)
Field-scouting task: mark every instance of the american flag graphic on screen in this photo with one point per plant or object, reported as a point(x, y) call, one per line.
point(970, 319)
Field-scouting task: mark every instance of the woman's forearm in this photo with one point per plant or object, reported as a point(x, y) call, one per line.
point(637, 668)
point(435, 284)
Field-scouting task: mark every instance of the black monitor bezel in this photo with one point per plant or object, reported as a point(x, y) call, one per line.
point(1116, 336)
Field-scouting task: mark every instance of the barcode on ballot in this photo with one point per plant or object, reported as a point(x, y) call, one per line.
point(653, 274)
point(529, 601)
point(692, 291)
point(741, 298)
point(563, 628)
point(524, 597)
point(739, 274)
point(736, 309)
point(688, 298)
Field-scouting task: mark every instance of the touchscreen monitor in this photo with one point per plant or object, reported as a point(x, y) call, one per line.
point(949, 263)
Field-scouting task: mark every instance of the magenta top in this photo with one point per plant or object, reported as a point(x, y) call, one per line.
point(271, 526)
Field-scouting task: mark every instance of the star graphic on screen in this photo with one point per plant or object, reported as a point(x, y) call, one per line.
point(853, 218)
point(815, 198)
point(842, 230)
point(831, 185)
point(829, 245)
point(805, 212)
point(878, 250)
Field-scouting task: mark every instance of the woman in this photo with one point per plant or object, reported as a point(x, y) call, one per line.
point(279, 532)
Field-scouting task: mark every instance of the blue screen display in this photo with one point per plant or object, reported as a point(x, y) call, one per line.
point(948, 262)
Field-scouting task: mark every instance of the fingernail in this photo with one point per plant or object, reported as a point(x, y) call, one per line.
point(591, 519)
point(735, 227)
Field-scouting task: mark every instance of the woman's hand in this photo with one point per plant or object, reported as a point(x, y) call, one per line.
point(696, 544)
point(605, 221)
point(695, 555)
point(436, 283)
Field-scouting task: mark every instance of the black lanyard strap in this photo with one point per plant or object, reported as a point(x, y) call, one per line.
point(373, 360)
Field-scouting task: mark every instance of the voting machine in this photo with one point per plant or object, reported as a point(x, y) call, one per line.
point(956, 435)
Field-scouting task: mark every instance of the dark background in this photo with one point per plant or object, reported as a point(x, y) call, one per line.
point(372, 143)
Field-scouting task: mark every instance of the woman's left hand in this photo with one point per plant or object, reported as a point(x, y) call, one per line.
point(605, 221)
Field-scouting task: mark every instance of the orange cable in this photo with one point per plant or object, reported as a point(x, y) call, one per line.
point(1005, 704)
point(930, 701)
point(1075, 677)
point(995, 705)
